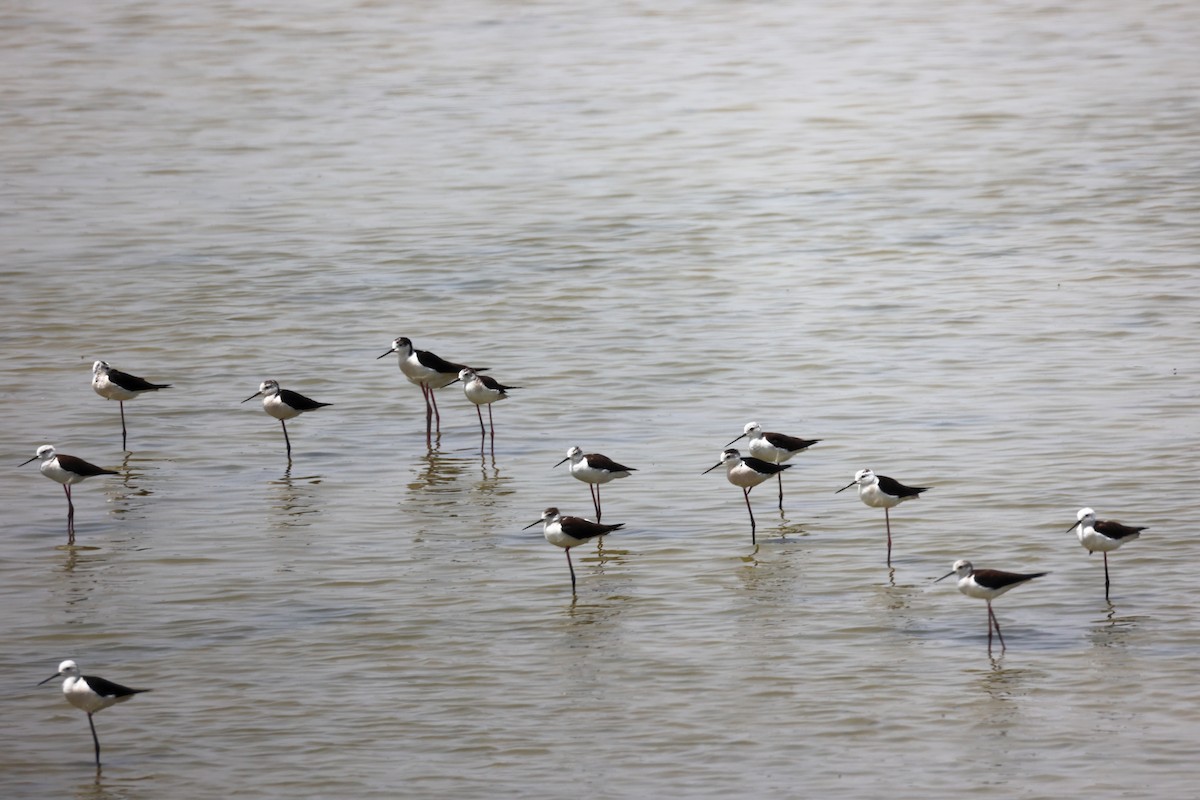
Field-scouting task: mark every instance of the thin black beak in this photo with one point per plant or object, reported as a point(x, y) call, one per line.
point(947, 575)
point(847, 486)
point(23, 463)
point(52, 677)
point(530, 525)
point(714, 466)
point(1073, 527)
point(385, 355)
point(743, 436)
point(565, 460)
point(251, 397)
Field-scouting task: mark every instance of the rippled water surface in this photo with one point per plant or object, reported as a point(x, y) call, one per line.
point(956, 242)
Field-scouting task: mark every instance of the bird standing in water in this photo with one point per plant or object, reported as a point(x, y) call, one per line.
point(67, 470)
point(90, 694)
point(880, 491)
point(1103, 536)
point(112, 384)
point(284, 404)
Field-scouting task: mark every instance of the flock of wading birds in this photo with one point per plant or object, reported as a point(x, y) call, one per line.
point(768, 452)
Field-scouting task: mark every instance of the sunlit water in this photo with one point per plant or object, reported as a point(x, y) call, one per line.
point(956, 242)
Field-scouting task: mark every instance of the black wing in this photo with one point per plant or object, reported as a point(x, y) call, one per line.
point(495, 385)
point(785, 442)
point(106, 688)
point(438, 364)
point(299, 401)
point(1115, 530)
point(998, 579)
point(897, 489)
point(581, 528)
point(132, 383)
point(81, 467)
point(764, 467)
point(597, 461)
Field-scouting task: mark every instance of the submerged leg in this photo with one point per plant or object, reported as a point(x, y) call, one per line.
point(95, 738)
point(996, 622)
point(428, 415)
point(570, 567)
point(70, 514)
point(287, 441)
point(492, 426)
point(887, 518)
point(746, 494)
point(123, 434)
point(436, 414)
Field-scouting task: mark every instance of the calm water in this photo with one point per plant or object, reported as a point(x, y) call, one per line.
point(958, 244)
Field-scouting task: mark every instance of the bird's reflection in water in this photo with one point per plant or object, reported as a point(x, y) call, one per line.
point(292, 499)
point(437, 471)
point(1113, 630)
point(83, 569)
point(128, 494)
point(491, 484)
point(787, 529)
point(604, 555)
point(1001, 688)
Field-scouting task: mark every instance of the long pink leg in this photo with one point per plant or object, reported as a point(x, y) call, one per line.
point(426, 394)
point(993, 620)
point(70, 515)
point(437, 414)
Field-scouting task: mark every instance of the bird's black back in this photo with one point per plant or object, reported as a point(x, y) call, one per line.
point(597, 461)
point(81, 467)
point(764, 467)
point(998, 579)
point(792, 443)
point(495, 385)
point(132, 383)
point(581, 528)
point(106, 688)
point(1115, 530)
point(897, 489)
point(299, 401)
point(438, 364)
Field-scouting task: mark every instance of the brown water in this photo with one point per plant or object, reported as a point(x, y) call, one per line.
point(957, 242)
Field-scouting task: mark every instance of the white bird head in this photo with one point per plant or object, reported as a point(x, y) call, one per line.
point(752, 428)
point(401, 345)
point(45, 453)
point(729, 459)
point(67, 669)
point(864, 477)
point(1085, 516)
point(269, 386)
point(962, 568)
point(549, 515)
point(574, 455)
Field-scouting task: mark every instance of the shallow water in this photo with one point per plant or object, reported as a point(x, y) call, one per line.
point(956, 244)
